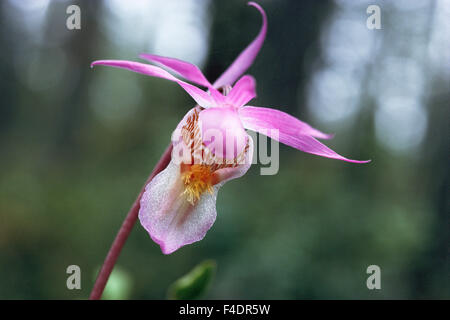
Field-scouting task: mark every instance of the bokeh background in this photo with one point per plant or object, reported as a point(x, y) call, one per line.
point(77, 144)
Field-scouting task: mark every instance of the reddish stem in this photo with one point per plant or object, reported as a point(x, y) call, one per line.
point(124, 231)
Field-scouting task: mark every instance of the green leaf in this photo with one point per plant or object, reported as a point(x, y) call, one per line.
point(118, 286)
point(194, 284)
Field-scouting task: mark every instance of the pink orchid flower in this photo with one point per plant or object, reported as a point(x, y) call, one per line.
point(178, 206)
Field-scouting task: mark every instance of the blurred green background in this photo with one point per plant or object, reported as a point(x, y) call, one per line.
point(77, 145)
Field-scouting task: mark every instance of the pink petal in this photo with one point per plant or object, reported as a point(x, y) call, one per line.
point(185, 69)
point(201, 97)
point(222, 132)
point(298, 140)
point(227, 174)
point(169, 218)
point(245, 59)
point(273, 118)
point(219, 98)
point(243, 91)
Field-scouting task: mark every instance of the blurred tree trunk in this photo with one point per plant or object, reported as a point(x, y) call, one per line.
point(293, 25)
point(80, 47)
point(8, 81)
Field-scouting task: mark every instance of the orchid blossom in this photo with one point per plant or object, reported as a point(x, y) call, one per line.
point(178, 206)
